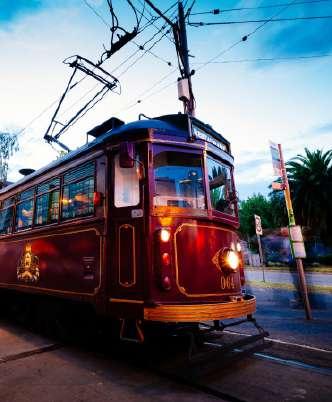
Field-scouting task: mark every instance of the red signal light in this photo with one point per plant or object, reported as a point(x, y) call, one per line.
point(97, 199)
point(166, 259)
point(166, 282)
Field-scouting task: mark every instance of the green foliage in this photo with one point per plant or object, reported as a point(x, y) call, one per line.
point(258, 205)
point(8, 145)
point(310, 179)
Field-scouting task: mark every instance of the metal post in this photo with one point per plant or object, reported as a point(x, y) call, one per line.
point(184, 56)
point(261, 255)
point(291, 218)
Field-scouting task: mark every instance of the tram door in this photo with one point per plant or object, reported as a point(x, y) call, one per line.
point(127, 231)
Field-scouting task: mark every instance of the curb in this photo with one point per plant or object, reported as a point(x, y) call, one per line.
point(288, 286)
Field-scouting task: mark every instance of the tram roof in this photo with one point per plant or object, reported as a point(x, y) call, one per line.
point(174, 124)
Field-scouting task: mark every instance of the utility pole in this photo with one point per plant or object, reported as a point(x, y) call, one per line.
point(186, 73)
point(292, 224)
point(295, 234)
point(181, 44)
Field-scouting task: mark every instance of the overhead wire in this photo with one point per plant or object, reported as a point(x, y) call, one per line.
point(267, 59)
point(316, 17)
point(245, 37)
point(128, 67)
point(38, 116)
point(211, 60)
point(218, 11)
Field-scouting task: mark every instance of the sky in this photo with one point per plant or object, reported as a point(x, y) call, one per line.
point(249, 100)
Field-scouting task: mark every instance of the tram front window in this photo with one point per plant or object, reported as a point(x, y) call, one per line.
point(221, 189)
point(178, 180)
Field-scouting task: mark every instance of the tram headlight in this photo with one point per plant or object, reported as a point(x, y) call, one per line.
point(238, 247)
point(232, 260)
point(165, 235)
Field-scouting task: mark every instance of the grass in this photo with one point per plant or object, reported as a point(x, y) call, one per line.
point(289, 286)
point(322, 269)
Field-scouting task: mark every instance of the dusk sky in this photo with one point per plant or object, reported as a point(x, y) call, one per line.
point(249, 100)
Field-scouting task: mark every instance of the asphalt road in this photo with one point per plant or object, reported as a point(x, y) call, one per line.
point(33, 368)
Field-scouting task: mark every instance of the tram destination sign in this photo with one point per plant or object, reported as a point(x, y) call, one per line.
point(202, 135)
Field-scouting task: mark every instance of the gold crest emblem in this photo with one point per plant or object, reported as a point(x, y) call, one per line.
point(28, 267)
point(216, 259)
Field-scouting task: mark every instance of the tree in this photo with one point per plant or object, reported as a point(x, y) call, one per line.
point(8, 145)
point(278, 209)
point(310, 179)
point(259, 205)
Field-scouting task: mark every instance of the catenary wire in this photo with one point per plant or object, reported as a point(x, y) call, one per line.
point(139, 47)
point(314, 56)
point(243, 39)
point(126, 70)
point(38, 116)
point(308, 18)
point(217, 11)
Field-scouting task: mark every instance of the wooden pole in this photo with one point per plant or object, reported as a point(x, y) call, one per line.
point(261, 255)
point(291, 219)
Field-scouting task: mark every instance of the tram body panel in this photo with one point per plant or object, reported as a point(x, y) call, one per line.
point(68, 263)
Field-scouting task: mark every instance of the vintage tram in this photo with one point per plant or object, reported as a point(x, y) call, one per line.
point(139, 223)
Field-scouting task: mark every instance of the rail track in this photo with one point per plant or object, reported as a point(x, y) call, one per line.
point(213, 360)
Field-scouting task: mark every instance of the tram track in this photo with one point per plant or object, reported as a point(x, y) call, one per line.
point(31, 352)
point(208, 377)
point(201, 381)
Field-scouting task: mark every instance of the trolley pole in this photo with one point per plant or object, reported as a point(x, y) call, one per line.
point(291, 219)
point(181, 44)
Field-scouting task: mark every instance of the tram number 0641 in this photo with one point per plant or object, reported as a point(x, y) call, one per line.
point(227, 282)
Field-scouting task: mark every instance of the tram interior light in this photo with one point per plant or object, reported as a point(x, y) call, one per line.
point(165, 235)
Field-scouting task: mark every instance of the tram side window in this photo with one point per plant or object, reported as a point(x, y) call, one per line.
point(78, 189)
point(47, 202)
point(6, 216)
point(24, 209)
point(221, 190)
point(126, 185)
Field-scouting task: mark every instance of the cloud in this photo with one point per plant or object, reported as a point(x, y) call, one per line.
point(300, 37)
point(323, 129)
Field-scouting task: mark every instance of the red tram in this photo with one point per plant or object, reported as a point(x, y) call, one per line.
point(140, 224)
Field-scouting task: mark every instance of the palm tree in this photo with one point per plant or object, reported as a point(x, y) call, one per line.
point(8, 145)
point(310, 178)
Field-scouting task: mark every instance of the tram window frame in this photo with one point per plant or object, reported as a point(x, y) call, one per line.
point(5, 205)
point(67, 182)
point(121, 186)
point(231, 201)
point(182, 209)
point(22, 199)
point(54, 186)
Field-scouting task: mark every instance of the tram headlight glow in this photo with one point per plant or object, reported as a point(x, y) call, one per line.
point(165, 235)
point(232, 260)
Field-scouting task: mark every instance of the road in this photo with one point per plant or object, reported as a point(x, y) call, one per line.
point(34, 368)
